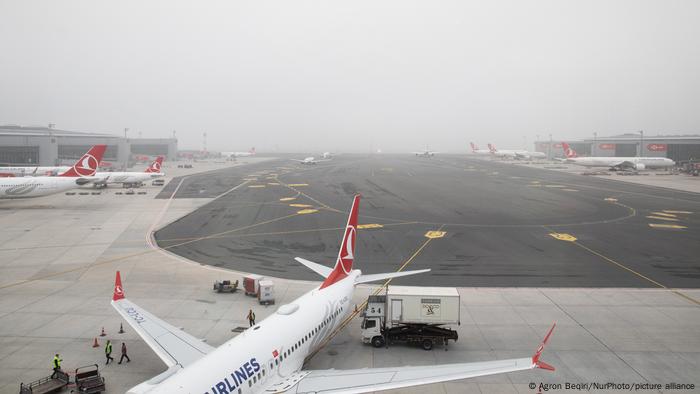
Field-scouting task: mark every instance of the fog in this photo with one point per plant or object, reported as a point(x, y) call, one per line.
point(350, 76)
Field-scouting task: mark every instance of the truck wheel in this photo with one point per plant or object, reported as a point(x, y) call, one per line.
point(378, 342)
point(427, 344)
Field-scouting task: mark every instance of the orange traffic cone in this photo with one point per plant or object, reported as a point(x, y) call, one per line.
point(95, 344)
point(103, 332)
point(121, 328)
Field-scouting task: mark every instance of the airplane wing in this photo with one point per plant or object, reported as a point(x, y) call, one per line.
point(374, 379)
point(172, 345)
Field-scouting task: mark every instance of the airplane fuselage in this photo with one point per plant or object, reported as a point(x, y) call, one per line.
point(27, 187)
point(647, 162)
point(249, 362)
point(33, 171)
point(127, 177)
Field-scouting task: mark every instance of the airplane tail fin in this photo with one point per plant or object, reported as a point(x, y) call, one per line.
point(568, 151)
point(492, 148)
point(474, 147)
point(252, 150)
point(88, 163)
point(156, 165)
point(346, 255)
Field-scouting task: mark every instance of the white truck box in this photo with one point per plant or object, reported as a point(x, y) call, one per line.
point(266, 293)
point(422, 305)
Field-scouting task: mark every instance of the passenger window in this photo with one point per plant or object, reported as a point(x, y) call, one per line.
point(255, 379)
point(250, 383)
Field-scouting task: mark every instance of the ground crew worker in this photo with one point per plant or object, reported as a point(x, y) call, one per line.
point(251, 318)
point(56, 365)
point(108, 351)
point(124, 354)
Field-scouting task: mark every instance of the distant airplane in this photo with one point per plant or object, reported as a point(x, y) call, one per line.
point(132, 177)
point(477, 151)
point(251, 152)
point(521, 154)
point(327, 155)
point(269, 357)
point(616, 162)
point(81, 173)
point(425, 153)
point(310, 160)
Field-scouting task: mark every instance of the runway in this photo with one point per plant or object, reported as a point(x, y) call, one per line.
point(473, 222)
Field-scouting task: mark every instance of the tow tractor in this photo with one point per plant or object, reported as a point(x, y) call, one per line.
point(225, 286)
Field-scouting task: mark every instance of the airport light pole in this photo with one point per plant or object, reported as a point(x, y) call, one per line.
point(550, 147)
point(641, 143)
point(595, 143)
point(537, 142)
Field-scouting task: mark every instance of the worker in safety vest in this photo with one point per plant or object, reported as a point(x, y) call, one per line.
point(56, 365)
point(251, 317)
point(108, 352)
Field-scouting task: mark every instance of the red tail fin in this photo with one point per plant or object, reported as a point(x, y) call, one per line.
point(118, 290)
point(346, 255)
point(568, 152)
point(87, 165)
point(155, 166)
point(252, 150)
point(492, 148)
point(474, 147)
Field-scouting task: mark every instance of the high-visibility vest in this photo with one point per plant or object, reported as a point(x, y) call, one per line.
point(108, 348)
point(56, 362)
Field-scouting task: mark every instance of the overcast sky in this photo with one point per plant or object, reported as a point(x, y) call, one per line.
point(348, 76)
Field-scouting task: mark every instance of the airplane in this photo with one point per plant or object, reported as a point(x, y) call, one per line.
point(520, 154)
point(132, 177)
point(310, 160)
point(327, 155)
point(251, 152)
point(269, 357)
point(32, 171)
point(615, 163)
point(81, 173)
point(477, 151)
point(425, 153)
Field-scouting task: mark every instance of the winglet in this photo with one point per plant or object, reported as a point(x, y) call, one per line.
point(118, 290)
point(536, 363)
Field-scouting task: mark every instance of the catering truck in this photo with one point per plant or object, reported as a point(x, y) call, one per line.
point(411, 314)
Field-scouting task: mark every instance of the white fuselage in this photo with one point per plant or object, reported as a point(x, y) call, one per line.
point(127, 177)
point(647, 162)
point(33, 171)
point(27, 187)
point(481, 152)
point(248, 361)
point(308, 160)
point(237, 154)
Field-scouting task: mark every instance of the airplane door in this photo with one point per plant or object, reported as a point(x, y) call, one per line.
point(396, 310)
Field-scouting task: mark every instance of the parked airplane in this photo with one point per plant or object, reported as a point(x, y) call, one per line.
point(251, 152)
point(520, 154)
point(132, 177)
point(269, 357)
point(81, 173)
point(425, 153)
point(32, 171)
point(327, 155)
point(616, 162)
point(310, 160)
point(477, 151)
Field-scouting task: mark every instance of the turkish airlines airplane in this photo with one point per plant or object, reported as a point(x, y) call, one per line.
point(132, 177)
point(477, 151)
point(81, 173)
point(310, 160)
point(425, 153)
point(516, 153)
point(32, 171)
point(251, 152)
point(269, 357)
point(616, 162)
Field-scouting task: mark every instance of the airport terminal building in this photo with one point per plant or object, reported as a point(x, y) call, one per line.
point(680, 148)
point(44, 146)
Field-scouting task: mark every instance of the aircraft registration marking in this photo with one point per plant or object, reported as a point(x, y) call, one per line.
point(563, 237)
point(370, 225)
point(662, 218)
point(671, 226)
point(298, 184)
point(307, 211)
point(435, 234)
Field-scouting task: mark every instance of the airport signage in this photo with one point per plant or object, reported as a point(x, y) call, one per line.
point(607, 146)
point(657, 147)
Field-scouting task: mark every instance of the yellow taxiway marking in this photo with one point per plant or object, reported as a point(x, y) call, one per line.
point(273, 183)
point(534, 182)
point(370, 225)
point(672, 226)
point(662, 218)
point(288, 198)
point(570, 190)
point(250, 179)
point(563, 237)
point(682, 212)
point(300, 205)
point(668, 215)
point(555, 186)
point(435, 234)
point(298, 184)
point(610, 199)
point(307, 211)
point(256, 186)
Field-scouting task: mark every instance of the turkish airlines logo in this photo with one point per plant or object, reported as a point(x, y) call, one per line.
point(86, 166)
point(657, 147)
point(155, 166)
point(346, 261)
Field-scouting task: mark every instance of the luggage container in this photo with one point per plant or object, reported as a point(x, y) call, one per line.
point(266, 292)
point(251, 284)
